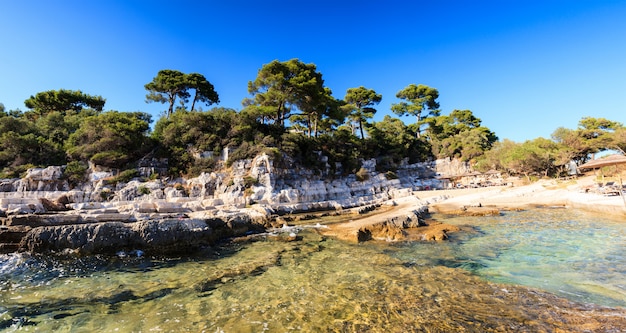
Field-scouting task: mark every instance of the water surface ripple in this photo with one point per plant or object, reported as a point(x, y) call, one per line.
point(473, 283)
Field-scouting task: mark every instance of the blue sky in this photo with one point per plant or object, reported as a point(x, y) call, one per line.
point(523, 67)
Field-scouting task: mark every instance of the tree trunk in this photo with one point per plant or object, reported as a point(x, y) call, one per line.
point(279, 115)
point(308, 125)
point(419, 118)
point(172, 99)
point(193, 103)
point(361, 128)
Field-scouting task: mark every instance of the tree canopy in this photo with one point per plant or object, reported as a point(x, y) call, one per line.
point(171, 85)
point(459, 135)
point(359, 104)
point(62, 101)
point(281, 88)
point(204, 91)
point(290, 112)
point(111, 138)
point(416, 100)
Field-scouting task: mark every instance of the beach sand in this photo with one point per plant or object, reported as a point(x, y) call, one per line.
point(544, 193)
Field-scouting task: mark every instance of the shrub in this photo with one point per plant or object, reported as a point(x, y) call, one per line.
point(249, 181)
point(124, 177)
point(75, 172)
point(274, 154)
point(143, 190)
point(202, 165)
point(109, 158)
point(391, 175)
point(362, 175)
point(245, 151)
point(16, 171)
point(105, 194)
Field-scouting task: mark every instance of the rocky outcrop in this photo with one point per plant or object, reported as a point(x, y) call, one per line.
point(47, 179)
point(158, 236)
point(247, 182)
point(101, 215)
point(257, 181)
point(397, 220)
point(451, 167)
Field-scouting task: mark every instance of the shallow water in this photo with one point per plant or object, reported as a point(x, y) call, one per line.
point(321, 284)
point(573, 254)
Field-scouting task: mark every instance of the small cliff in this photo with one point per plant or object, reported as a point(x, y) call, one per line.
point(40, 212)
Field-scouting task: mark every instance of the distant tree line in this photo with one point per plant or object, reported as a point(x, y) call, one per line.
point(543, 157)
point(290, 111)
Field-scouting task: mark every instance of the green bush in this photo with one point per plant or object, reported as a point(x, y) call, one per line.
point(201, 165)
point(109, 158)
point(274, 154)
point(106, 194)
point(16, 171)
point(249, 181)
point(245, 151)
point(124, 176)
point(143, 190)
point(75, 172)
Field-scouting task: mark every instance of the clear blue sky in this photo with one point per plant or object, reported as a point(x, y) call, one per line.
point(524, 67)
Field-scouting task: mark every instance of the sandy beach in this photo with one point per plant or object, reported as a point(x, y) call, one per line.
point(568, 193)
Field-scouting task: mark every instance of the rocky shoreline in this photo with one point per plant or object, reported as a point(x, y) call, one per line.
point(40, 213)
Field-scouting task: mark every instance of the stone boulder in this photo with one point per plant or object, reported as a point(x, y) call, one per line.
point(43, 179)
point(8, 185)
point(163, 236)
point(58, 205)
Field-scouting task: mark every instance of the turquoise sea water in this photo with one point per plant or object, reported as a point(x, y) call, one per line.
point(470, 283)
point(576, 255)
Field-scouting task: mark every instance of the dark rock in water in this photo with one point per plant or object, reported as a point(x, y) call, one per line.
point(154, 236)
point(12, 235)
point(8, 248)
point(33, 221)
point(10, 238)
point(87, 238)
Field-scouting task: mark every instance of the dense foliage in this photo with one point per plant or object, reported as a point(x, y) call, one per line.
point(291, 113)
point(110, 139)
point(551, 157)
point(171, 85)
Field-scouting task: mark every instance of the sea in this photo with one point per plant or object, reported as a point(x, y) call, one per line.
point(539, 270)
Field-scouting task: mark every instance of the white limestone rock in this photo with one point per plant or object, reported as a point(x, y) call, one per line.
point(86, 205)
point(25, 208)
point(170, 207)
point(46, 174)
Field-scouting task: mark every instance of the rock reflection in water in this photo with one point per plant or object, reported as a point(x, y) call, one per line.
point(313, 285)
